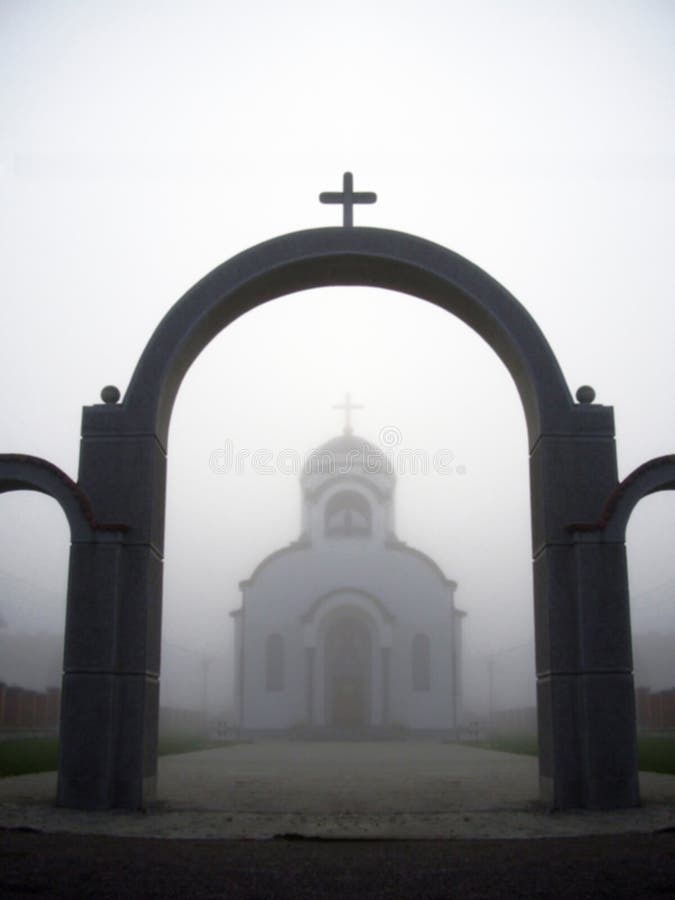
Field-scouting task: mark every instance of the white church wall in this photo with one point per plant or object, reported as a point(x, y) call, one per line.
point(420, 708)
point(272, 709)
point(296, 591)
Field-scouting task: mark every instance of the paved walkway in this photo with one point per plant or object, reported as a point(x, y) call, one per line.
point(361, 790)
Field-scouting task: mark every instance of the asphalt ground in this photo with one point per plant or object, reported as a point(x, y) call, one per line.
point(613, 867)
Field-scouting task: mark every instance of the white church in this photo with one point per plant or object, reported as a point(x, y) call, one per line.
point(347, 629)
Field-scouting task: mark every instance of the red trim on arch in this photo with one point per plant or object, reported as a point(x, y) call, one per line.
point(619, 491)
point(71, 486)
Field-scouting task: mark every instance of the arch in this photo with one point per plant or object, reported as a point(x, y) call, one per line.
point(315, 494)
point(341, 256)
point(336, 598)
point(348, 514)
point(19, 472)
point(655, 475)
point(585, 688)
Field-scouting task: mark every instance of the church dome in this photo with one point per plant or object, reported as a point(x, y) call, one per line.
point(346, 454)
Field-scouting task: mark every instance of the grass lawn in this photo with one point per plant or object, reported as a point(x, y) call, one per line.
point(40, 754)
point(656, 752)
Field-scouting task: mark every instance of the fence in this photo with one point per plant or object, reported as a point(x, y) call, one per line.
point(514, 721)
point(655, 711)
point(22, 708)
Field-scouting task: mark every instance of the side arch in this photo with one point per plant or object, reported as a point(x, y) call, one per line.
point(655, 475)
point(19, 472)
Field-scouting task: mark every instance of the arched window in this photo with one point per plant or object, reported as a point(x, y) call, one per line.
point(348, 514)
point(274, 663)
point(421, 663)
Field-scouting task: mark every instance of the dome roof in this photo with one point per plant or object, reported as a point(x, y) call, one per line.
point(341, 454)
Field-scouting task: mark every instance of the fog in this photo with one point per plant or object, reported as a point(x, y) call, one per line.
point(143, 146)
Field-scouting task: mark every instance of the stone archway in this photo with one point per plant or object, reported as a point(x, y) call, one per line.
point(655, 475)
point(585, 689)
point(19, 472)
point(93, 583)
point(609, 583)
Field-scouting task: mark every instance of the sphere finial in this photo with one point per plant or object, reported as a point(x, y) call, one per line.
point(585, 394)
point(110, 394)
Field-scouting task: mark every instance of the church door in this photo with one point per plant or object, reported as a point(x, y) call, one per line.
point(348, 664)
point(348, 702)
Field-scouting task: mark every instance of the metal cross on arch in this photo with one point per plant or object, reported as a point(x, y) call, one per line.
point(347, 198)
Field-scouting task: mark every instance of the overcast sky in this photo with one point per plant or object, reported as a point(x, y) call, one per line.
point(143, 144)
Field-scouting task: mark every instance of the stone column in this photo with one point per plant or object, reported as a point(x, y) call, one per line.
point(609, 753)
point(584, 678)
point(110, 702)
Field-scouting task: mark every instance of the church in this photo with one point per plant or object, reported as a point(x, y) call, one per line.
point(348, 629)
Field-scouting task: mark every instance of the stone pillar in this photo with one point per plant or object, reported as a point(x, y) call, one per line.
point(110, 700)
point(12, 695)
point(585, 703)
point(609, 753)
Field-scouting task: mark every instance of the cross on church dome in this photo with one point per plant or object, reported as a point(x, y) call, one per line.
point(348, 406)
point(347, 198)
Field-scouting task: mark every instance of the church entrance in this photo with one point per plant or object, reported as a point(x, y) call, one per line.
point(348, 666)
point(348, 702)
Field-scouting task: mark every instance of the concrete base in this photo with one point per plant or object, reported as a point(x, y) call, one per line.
point(110, 759)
